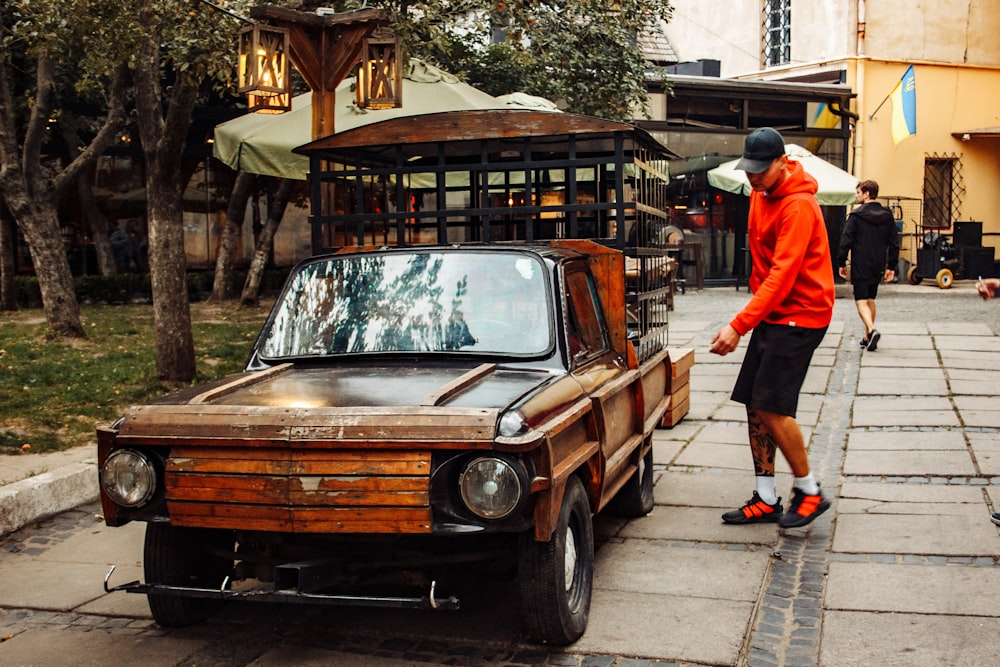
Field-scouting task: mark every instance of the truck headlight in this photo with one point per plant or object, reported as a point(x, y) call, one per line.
point(490, 487)
point(128, 477)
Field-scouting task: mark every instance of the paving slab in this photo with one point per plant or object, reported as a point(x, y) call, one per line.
point(708, 571)
point(986, 447)
point(899, 358)
point(939, 494)
point(906, 411)
point(971, 359)
point(863, 639)
point(665, 451)
point(905, 440)
point(902, 328)
point(960, 329)
point(921, 381)
point(972, 343)
point(721, 489)
point(966, 534)
point(700, 454)
point(697, 524)
point(897, 462)
point(913, 588)
point(666, 627)
point(65, 574)
point(90, 649)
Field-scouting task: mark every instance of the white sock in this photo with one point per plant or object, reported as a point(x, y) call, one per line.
point(766, 489)
point(807, 484)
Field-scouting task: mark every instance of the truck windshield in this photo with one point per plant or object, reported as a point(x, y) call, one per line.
point(424, 301)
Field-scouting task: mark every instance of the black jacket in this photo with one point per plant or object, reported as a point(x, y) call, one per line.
point(871, 237)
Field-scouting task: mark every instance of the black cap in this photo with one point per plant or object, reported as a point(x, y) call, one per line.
point(762, 147)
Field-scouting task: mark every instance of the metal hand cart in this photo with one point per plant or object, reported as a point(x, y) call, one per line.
point(937, 258)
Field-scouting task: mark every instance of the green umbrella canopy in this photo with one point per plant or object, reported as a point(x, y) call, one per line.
point(263, 143)
point(836, 186)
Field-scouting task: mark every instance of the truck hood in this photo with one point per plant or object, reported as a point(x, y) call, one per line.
point(383, 385)
point(288, 403)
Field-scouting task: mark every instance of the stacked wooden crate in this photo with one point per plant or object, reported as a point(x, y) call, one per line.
point(681, 361)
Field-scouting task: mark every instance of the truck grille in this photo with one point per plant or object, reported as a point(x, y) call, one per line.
point(300, 490)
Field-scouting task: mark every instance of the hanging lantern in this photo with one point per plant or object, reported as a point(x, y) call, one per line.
point(380, 78)
point(264, 69)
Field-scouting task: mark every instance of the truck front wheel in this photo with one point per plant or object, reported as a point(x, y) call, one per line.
point(556, 577)
point(189, 557)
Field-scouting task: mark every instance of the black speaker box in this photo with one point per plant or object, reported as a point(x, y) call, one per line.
point(978, 262)
point(968, 234)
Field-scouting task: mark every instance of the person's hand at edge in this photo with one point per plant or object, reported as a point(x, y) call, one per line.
point(725, 341)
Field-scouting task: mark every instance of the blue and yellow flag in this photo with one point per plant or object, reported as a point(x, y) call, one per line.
point(904, 107)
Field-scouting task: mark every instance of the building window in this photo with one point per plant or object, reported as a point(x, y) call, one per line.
point(776, 32)
point(944, 190)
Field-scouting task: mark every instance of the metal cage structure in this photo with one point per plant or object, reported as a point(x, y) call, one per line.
point(496, 176)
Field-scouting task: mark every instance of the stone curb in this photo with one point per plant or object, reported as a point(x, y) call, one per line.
point(46, 494)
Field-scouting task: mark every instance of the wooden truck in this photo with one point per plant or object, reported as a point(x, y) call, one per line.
point(410, 409)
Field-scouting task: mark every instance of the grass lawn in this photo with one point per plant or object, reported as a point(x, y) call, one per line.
point(54, 391)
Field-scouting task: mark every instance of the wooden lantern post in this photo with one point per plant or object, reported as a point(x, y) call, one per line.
point(324, 47)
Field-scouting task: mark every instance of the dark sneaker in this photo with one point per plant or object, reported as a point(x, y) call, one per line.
point(995, 518)
point(864, 342)
point(755, 511)
point(803, 509)
point(873, 340)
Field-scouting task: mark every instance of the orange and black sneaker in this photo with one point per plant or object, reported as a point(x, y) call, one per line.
point(755, 511)
point(803, 509)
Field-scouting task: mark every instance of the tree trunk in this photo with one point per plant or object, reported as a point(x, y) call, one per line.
point(8, 291)
point(168, 281)
point(163, 125)
point(40, 227)
point(251, 289)
point(96, 219)
point(224, 283)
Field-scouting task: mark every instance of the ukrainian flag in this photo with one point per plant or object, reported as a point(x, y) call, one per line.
point(904, 107)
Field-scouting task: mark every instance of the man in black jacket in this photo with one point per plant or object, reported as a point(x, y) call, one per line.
point(871, 238)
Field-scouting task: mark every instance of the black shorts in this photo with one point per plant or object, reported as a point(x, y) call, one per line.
point(775, 366)
point(863, 292)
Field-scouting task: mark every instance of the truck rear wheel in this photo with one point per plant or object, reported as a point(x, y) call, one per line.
point(635, 499)
point(556, 577)
point(175, 556)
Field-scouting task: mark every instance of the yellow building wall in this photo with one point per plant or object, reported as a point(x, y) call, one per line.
point(950, 99)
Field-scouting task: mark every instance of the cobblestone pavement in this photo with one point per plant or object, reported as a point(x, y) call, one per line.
point(904, 569)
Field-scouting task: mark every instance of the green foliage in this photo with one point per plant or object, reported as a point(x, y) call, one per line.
point(582, 53)
point(54, 391)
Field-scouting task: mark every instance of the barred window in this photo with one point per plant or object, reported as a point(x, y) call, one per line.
point(776, 30)
point(944, 190)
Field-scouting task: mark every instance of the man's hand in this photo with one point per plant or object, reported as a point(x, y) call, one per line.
point(843, 272)
point(987, 288)
point(889, 275)
point(725, 341)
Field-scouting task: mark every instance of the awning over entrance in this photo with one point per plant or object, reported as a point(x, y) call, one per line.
point(978, 133)
point(836, 186)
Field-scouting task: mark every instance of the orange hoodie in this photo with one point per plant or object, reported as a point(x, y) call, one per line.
point(792, 277)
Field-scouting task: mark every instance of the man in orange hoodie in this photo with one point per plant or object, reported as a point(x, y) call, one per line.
point(789, 312)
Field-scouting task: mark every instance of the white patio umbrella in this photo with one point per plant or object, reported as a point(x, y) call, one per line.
point(263, 143)
point(836, 186)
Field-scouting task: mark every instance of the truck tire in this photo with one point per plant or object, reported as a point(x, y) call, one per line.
point(185, 557)
point(635, 499)
point(556, 577)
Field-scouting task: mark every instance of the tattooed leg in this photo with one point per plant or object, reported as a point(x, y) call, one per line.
point(762, 445)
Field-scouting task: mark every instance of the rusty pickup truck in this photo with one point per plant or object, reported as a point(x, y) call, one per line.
point(403, 413)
